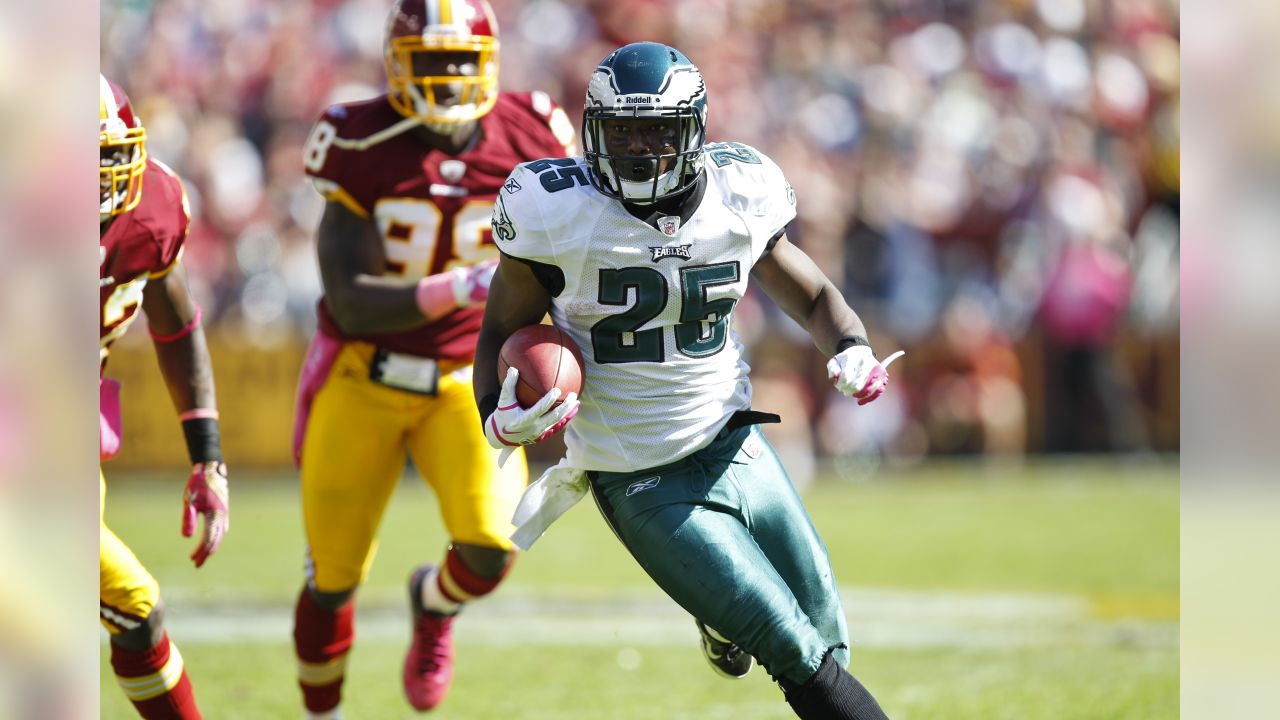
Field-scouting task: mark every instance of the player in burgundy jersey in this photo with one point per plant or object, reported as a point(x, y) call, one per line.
point(143, 221)
point(406, 254)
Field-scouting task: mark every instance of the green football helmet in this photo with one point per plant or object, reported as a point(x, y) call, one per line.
point(644, 123)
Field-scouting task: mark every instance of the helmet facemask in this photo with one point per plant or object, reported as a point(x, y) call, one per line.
point(673, 136)
point(443, 80)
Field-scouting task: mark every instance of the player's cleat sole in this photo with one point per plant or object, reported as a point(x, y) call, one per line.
point(726, 658)
point(428, 666)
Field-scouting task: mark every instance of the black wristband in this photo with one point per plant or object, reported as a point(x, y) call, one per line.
point(487, 405)
point(203, 440)
point(852, 340)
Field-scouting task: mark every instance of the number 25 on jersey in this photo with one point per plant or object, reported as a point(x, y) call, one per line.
point(703, 327)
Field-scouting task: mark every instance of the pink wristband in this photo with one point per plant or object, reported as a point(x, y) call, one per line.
point(435, 295)
point(185, 331)
point(198, 413)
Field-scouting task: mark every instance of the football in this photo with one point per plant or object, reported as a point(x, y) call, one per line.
point(546, 357)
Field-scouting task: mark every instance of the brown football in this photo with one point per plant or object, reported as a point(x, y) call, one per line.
point(546, 357)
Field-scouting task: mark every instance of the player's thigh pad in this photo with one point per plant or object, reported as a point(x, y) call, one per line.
point(126, 591)
point(477, 498)
point(688, 525)
point(352, 458)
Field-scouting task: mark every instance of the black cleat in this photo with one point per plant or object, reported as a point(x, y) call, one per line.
point(725, 657)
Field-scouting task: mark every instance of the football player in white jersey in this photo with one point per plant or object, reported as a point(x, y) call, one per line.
point(639, 251)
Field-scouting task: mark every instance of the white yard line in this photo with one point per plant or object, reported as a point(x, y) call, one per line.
point(890, 619)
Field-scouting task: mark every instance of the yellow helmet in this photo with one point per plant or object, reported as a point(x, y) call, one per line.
point(424, 84)
point(123, 151)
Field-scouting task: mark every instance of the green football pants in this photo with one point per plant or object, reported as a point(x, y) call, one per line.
point(725, 535)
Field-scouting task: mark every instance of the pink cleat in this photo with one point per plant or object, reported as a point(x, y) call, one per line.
point(428, 668)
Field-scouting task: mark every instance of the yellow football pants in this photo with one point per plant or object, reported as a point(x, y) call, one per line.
point(126, 591)
point(358, 435)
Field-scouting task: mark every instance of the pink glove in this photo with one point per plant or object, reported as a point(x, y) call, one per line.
point(206, 494)
point(471, 284)
point(109, 433)
point(438, 295)
point(858, 374)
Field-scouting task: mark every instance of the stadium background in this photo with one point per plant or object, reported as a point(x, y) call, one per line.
point(993, 183)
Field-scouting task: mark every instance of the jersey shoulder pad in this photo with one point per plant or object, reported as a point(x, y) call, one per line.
point(539, 202)
point(339, 151)
point(751, 182)
point(167, 216)
point(545, 115)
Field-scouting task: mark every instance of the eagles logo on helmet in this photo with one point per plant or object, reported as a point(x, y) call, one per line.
point(442, 60)
point(122, 149)
point(644, 88)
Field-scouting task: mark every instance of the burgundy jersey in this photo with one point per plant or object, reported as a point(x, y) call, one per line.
point(140, 245)
point(432, 209)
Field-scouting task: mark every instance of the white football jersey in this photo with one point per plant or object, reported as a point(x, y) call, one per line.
point(650, 309)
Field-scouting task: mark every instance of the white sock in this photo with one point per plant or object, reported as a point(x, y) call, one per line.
point(433, 599)
point(334, 714)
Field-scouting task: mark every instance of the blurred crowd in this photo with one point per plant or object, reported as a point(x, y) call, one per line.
point(994, 183)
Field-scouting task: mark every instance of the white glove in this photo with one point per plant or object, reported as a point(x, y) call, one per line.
point(471, 284)
point(858, 374)
point(510, 426)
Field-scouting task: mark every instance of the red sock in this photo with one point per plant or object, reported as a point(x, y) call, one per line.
point(321, 639)
point(459, 584)
point(156, 681)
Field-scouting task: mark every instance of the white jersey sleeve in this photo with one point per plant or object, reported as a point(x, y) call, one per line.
point(755, 187)
point(543, 211)
point(519, 228)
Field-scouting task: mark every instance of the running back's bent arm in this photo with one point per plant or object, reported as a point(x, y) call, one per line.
point(516, 299)
point(352, 262)
point(807, 295)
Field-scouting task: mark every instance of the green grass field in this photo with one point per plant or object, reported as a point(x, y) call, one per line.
point(1047, 592)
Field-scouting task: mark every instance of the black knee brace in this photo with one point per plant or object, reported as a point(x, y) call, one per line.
point(833, 694)
point(148, 633)
point(330, 601)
